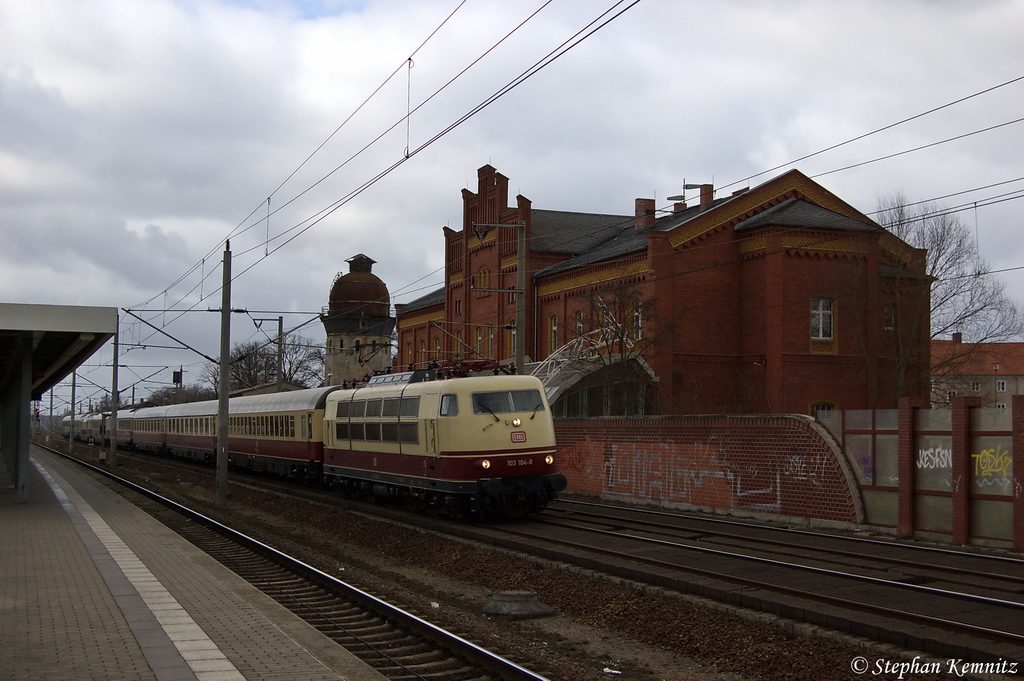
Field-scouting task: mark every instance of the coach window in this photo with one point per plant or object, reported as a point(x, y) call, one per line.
point(449, 405)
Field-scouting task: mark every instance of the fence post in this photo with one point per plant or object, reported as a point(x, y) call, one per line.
point(1017, 483)
point(906, 463)
point(960, 476)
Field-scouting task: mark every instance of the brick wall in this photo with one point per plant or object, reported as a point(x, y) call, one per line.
point(785, 465)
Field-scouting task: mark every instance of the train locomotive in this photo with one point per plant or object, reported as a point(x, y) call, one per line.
point(480, 446)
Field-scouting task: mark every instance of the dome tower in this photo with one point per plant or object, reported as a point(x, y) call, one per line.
point(358, 323)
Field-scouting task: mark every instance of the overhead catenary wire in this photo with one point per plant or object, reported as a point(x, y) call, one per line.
point(269, 252)
point(319, 216)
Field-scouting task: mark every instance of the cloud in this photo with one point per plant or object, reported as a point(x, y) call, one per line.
point(136, 137)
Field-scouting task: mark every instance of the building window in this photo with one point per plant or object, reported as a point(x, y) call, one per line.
point(822, 411)
point(408, 353)
point(458, 307)
point(483, 281)
point(490, 341)
point(458, 345)
point(890, 318)
point(437, 347)
point(578, 319)
point(423, 351)
point(638, 320)
point(479, 341)
point(821, 319)
point(976, 386)
point(512, 339)
point(511, 295)
point(553, 341)
point(1001, 405)
point(950, 394)
point(1000, 386)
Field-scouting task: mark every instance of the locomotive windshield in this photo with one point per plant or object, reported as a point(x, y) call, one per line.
point(507, 401)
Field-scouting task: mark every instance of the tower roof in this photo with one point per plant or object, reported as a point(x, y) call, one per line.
point(360, 293)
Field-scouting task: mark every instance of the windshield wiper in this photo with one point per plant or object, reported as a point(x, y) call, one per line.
point(488, 410)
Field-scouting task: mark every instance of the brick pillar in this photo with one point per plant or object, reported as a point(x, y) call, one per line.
point(961, 473)
point(1017, 483)
point(906, 464)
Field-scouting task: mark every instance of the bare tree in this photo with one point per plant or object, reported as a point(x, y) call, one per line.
point(604, 359)
point(255, 363)
point(195, 392)
point(965, 297)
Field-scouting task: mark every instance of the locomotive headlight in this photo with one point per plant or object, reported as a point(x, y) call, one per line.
point(485, 463)
point(549, 459)
point(517, 422)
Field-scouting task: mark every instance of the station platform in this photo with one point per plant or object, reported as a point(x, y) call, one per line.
point(92, 587)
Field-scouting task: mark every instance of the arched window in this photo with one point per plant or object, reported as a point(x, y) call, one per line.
point(578, 321)
point(553, 341)
point(458, 344)
point(823, 411)
point(638, 320)
point(479, 341)
point(423, 351)
point(483, 281)
point(437, 347)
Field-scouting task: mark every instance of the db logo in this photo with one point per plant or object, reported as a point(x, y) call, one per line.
point(518, 436)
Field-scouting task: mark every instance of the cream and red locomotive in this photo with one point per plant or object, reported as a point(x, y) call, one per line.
point(481, 446)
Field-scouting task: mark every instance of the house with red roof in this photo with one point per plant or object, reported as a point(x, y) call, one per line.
point(991, 371)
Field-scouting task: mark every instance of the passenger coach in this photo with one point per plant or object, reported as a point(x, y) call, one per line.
point(280, 433)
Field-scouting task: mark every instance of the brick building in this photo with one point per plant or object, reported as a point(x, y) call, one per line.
point(781, 298)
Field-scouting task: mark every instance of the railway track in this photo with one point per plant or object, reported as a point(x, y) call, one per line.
point(909, 595)
point(864, 592)
point(979, 573)
point(398, 644)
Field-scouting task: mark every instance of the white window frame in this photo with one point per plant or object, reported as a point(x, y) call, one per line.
point(822, 319)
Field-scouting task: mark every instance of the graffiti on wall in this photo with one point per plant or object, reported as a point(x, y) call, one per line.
point(698, 473)
point(934, 457)
point(993, 469)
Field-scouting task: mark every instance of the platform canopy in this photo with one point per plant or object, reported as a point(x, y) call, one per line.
point(39, 346)
point(59, 338)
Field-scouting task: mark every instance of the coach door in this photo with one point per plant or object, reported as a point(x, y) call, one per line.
point(307, 434)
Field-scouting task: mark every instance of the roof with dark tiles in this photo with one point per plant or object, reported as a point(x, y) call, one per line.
point(796, 212)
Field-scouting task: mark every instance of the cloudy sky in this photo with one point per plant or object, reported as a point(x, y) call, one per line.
point(137, 135)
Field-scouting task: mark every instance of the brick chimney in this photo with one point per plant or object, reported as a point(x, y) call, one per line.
point(707, 195)
point(644, 214)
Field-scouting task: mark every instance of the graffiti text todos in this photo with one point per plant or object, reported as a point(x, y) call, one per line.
point(994, 462)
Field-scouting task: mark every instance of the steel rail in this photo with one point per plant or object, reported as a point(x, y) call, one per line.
point(771, 586)
point(609, 519)
point(865, 540)
point(491, 662)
